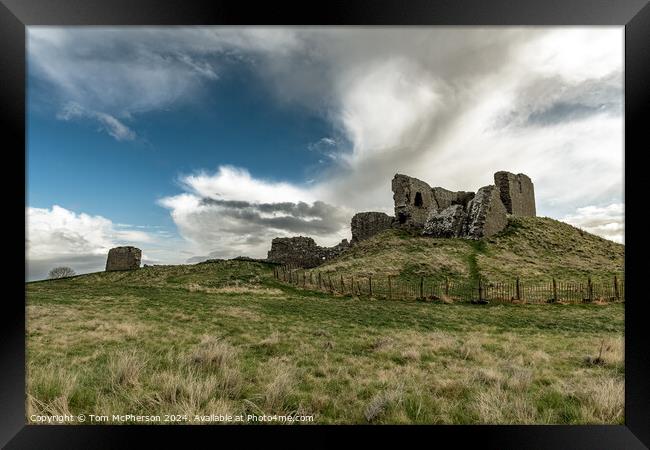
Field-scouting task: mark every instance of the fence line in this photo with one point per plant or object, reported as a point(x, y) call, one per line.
point(393, 288)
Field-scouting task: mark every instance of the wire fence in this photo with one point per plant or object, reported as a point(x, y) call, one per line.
point(464, 290)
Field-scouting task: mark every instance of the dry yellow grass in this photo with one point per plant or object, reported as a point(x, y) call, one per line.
point(248, 289)
point(122, 348)
point(125, 368)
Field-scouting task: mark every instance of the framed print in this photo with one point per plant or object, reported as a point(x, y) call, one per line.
point(371, 214)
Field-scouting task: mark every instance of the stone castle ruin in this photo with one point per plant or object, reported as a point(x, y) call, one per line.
point(429, 211)
point(303, 252)
point(123, 258)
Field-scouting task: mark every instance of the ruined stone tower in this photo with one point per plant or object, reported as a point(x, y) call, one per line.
point(517, 193)
point(413, 200)
point(123, 258)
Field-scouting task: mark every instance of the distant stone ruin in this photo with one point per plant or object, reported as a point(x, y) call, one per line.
point(123, 258)
point(367, 224)
point(462, 214)
point(302, 251)
point(429, 211)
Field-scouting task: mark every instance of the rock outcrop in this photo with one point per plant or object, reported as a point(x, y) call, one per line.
point(517, 193)
point(123, 258)
point(367, 224)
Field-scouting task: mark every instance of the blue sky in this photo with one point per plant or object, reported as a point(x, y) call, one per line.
point(195, 142)
point(235, 123)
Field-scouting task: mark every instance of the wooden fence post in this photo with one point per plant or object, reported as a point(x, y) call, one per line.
point(352, 286)
point(329, 278)
point(616, 294)
point(518, 295)
point(446, 285)
point(480, 289)
point(319, 280)
point(369, 286)
point(390, 289)
point(304, 279)
point(422, 287)
point(590, 290)
point(342, 285)
point(554, 290)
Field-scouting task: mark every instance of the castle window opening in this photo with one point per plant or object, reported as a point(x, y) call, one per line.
point(418, 200)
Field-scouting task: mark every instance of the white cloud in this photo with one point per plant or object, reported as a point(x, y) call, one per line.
point(384, 103)
point(229, 213)
point(232, 183)
point(606, 221)
point(110, 124)
point(58, 236)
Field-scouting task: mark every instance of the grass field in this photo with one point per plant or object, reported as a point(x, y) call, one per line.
point(226, 338)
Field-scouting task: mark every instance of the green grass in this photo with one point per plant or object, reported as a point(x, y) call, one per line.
point(534, 249)
point(226, 338)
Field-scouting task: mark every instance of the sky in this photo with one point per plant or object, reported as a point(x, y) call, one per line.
point(207, 142)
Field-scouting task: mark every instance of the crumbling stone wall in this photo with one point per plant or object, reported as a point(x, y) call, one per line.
point(123, 258)
point(302, 251)
point(483, 216)
point(413, 200)
point(444, 198)
point(517, 193)
point(486, 214)
point(367, 224)
point(447, 223)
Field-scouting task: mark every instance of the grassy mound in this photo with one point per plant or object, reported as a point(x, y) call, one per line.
point(533, 248)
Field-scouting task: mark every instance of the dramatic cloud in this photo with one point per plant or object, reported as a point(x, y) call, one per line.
point(58, 236)
point(229, 213)
point(448, 105)
point(112, 74)
point(555, 100)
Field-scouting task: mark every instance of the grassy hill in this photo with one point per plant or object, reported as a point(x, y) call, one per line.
point(227, 338)
point(533, 248)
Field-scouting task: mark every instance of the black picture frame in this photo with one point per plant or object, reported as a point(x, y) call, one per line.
point(15, 15)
